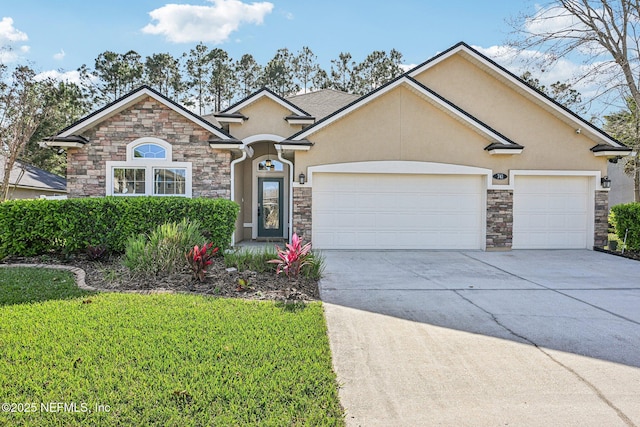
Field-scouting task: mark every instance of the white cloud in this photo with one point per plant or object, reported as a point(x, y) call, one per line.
point(518, 62)
point(183, 23)
point(8, 56)
point(8, 33)
point(551, 20)
point(60, 55)
point(407, 67)
point(61, 76)
point(9, 36)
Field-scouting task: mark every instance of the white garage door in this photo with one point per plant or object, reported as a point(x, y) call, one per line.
point(397, 211)
point(551, 212)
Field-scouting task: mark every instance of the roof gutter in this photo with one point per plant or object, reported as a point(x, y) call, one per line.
point(233, 185)
point(280, 151)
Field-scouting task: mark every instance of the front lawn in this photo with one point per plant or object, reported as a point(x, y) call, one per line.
point(161, 359)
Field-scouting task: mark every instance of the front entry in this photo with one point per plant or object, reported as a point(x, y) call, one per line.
point(270, 207)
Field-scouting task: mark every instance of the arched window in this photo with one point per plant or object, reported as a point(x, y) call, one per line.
point(149, 171)
point(149, 151)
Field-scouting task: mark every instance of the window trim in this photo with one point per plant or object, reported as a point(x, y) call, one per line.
point(149, 140)
point(149, 176)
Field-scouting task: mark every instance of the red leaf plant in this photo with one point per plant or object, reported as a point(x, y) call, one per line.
point(293, 257)
point(199, 258)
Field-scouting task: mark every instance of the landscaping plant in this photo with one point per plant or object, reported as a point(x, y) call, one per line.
point(40, 226)
point(626, 218)
point(199, 258)
point(163, 250)
point(293, 257)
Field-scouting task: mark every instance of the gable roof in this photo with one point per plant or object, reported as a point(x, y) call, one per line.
point(131, 98)
point(422, 90)
point(262, 93)
point(322, 102)
point(24, 175)
point(506, 76)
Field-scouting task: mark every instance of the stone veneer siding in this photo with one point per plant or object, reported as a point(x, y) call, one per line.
point(86, 166)
point(601, 219)
point(499, 219)
point(302, 212)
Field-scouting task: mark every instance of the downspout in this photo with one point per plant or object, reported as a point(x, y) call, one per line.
point(283, 160)
point(233, 185)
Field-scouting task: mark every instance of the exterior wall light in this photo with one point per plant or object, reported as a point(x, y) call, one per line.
point(301, 178)
point(605, 182)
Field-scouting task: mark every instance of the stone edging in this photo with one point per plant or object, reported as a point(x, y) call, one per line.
point(77, 272)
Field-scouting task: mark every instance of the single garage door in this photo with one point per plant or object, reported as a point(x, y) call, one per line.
point(551, 212)
point(397, 211)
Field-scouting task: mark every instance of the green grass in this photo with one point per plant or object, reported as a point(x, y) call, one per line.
point(23, 285)
point(165, 359)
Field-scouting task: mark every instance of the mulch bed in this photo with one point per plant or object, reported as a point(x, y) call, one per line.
point(627, 254)
point(111, 275)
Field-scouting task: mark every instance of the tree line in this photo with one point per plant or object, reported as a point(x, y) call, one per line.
point(203, 79)
point(208, 80)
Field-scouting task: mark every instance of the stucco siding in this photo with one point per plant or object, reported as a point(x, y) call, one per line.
point(549, 142)
point(265, 116)
point(399, 125)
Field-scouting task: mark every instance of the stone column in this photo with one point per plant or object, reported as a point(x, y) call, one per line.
point(601, 219)
point(302, 212)
point(499, 220)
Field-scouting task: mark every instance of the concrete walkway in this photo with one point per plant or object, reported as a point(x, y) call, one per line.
point(523, 338)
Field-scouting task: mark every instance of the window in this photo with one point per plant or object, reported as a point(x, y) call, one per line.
point(128, 181)
point(169, 181)
point(148, 170)
point(270, 165)
point(149, 151)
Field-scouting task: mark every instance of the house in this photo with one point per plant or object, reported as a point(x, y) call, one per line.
point(457, 153)
point(29, 182)
point(622, 184)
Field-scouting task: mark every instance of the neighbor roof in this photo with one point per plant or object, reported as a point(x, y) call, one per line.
point(24, 175)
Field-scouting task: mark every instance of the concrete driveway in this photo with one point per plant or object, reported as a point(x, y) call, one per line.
point(522, 338)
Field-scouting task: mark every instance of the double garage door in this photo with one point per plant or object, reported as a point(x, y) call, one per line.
point(412, 211)
point(397, 211)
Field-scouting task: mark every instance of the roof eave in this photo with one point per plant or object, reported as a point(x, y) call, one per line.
point(226, 144)
point(497, 148)
point(289, 145)
point(72, 141)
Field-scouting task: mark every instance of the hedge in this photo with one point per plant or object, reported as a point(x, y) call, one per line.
point(627, 217)
point(34, 227)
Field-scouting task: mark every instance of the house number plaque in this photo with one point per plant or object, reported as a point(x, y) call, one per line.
point(500, 175)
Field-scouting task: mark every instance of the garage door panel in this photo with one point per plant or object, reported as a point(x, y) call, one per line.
point(551, 212)
point(397, 211)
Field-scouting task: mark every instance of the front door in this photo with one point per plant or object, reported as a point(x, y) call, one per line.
point(270, 213)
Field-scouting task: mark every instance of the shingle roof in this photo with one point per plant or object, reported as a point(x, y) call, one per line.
point(323, 102)
point(34, 177)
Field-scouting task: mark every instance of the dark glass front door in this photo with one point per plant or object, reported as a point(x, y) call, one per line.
point(270, 207)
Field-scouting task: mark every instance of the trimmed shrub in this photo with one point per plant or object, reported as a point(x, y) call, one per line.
point(627, 217)
point(33, 227)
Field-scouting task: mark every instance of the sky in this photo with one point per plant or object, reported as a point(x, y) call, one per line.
point(58, 36)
